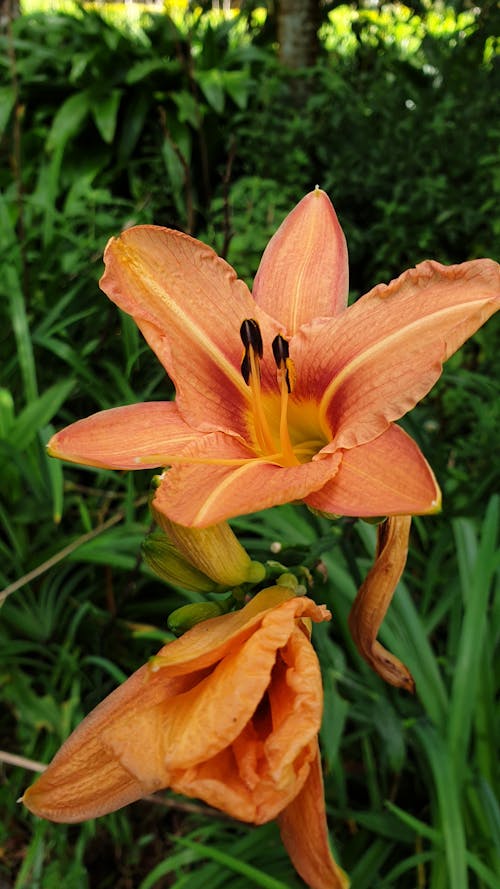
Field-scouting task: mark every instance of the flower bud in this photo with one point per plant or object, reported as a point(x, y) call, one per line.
point(164, 559)
point(187, 616)
point(215, 551)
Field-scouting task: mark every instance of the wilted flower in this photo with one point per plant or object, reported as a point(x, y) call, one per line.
point(228, 713)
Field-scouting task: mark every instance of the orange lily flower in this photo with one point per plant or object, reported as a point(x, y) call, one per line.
point(309, 412)
point(228, 713)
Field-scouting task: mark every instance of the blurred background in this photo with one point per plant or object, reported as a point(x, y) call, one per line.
point(216, 118)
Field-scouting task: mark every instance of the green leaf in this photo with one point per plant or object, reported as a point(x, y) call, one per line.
point(449, 813)
point(56, 478)
point(105, 113)
point(478, 562)
point(252, 874)
point(188, 109)
point(238, 84)
point(68, 119)
point(19, 320)
point(141, 70)
point(211, 85)
point(7, 101)
point(6, 412)
point(133, 117)
point(39, 413)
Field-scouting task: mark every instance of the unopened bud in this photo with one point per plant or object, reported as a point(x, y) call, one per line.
point(168, 563)
point(215, 551)
point(186, 617)
point(289, 580)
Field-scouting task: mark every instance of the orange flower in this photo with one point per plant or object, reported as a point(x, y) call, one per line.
point(308, 413)
point(228, 713)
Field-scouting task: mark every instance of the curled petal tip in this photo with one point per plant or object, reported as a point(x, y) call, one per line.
point(51, 448)
point(437, 504)
point(390, 668)
point(374, 597)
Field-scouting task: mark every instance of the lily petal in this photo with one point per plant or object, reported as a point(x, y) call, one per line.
point(387, 476)
point(379, 358)
point(203, 721)
point(266, 768)
point(204, 494)
point(86, 779)
point(137, 436)
point(304, 832)
point(304, 273)
point(374, 597)
point(208, 642)
point(189, 305)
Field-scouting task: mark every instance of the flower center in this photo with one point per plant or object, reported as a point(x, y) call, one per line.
point(284, 430)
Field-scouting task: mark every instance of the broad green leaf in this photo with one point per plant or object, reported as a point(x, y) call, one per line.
point(142, 70)
point(134, 114)
point(105, 113)
point(211, 84)
point(188, 109)
point(68, 119)
point(239, 85)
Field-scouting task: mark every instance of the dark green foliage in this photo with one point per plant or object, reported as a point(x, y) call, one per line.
point(198, 128)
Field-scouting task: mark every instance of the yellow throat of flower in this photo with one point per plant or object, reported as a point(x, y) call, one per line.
point(283, 430)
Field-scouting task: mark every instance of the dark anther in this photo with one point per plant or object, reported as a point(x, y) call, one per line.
point(251, 336)
point(280, 350)
point(283, 361)
point(245, 367)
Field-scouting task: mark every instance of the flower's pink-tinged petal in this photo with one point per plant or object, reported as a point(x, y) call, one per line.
point(387, 476)
point(205, 493)
point(137, 436)
point(189, 305)
point(303, 273)
point(374, 362)
point(304, 832)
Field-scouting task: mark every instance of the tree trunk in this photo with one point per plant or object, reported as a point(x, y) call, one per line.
point(9, 9)
point(298, 22)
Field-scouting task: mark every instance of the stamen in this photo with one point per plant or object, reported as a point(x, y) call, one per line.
point(251, 336)
point(286, 382)
point(283, 362)
point(250, 369)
